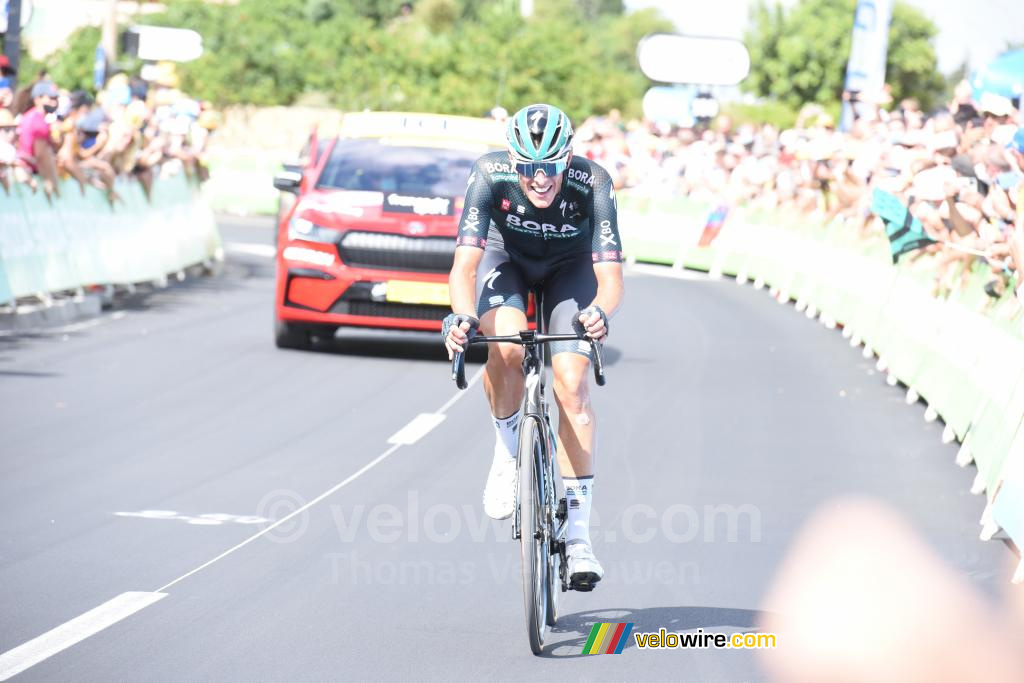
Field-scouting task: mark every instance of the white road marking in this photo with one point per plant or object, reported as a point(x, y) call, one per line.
point(666, 271)
point(337, 487)
point(265, 250)
point(205, 519)
point(419, 427)
point(78, 629)
point(95, 620)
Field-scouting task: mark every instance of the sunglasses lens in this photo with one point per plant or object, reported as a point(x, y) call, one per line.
point(551, 168)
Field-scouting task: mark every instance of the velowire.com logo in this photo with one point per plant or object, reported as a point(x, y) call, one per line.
point(607, 639)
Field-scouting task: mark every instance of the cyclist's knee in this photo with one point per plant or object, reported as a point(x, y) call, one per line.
point(510, 356)
point(571, 381)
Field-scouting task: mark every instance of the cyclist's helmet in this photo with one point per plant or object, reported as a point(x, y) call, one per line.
point(539, 134)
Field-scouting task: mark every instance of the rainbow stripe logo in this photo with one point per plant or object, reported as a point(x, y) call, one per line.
point(607, 639)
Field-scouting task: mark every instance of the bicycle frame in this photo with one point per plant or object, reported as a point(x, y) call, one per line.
point(548, 512)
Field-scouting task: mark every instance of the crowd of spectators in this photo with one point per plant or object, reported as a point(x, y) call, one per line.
point(959, 169)
point(130, 128)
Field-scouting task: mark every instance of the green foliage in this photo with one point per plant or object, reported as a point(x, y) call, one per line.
point(74, 69)
point(776, 113)
point(799, 55)
point(911, 66)
point(449, 56)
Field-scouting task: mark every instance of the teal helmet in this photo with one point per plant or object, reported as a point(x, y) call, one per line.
point(539, 134)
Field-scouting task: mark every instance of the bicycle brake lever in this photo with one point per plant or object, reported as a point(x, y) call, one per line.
point(459, 369)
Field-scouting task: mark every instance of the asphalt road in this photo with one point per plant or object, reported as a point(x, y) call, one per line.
point(143, 451)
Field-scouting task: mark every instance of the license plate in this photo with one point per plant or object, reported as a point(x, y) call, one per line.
point(433, 293)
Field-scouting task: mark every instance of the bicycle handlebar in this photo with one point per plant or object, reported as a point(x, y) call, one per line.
point(527, 338)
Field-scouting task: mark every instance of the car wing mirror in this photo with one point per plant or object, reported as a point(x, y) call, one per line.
point(288, 181)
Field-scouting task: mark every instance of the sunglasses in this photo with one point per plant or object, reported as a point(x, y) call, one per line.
point(550, 168)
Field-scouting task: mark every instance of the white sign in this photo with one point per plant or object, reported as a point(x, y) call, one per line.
point(671, 58)
point(666, 104)
point(157, 44)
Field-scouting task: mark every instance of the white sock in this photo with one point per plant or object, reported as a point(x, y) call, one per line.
point(506, 430)
point(578, 494)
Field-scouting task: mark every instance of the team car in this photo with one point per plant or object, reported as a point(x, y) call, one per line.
point(370, 237)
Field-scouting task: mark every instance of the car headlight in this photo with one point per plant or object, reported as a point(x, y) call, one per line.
point(302, 229)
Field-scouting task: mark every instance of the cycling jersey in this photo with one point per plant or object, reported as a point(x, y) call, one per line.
point(581, 220)
point(554, 248)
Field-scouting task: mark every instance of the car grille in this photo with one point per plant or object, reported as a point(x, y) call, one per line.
point(378, 309)
point(397, 252)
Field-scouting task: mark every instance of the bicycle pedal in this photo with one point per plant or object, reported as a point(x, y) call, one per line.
point(584, 582)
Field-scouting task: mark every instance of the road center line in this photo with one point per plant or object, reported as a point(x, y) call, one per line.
point(78, 629)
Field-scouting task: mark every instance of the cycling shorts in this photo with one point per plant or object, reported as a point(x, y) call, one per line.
point(568, 285)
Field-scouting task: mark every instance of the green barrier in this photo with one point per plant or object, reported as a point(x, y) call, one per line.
point(961, 351)
point(79, 240)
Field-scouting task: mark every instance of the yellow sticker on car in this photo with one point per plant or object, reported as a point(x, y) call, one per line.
point(406, 292)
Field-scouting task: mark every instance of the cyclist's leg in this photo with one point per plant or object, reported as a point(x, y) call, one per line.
point(501, 307)
point(572, 287)
point(569, 288)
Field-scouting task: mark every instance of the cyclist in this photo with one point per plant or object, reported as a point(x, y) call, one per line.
point(538, 216)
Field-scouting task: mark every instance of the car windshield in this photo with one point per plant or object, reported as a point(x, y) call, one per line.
point(372, 166)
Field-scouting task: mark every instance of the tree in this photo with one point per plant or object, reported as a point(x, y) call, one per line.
point(449, 56)
point(799, 55)
point(74, 70)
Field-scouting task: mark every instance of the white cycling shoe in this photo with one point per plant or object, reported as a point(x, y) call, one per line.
point(500, 491)
point(584, 569)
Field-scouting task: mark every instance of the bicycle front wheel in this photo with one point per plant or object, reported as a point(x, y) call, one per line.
point(533, 539)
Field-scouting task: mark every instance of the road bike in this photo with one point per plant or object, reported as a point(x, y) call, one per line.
point(539, 520)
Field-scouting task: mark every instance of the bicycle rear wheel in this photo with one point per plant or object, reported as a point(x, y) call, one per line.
point(533, 539)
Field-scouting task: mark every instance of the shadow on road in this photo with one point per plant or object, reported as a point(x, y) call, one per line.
point(648, 619)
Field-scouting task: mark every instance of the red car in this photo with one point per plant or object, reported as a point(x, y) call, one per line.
point(370, 239)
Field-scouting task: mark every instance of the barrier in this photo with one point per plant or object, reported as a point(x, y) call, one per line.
point(962, 352)
point(79, 240)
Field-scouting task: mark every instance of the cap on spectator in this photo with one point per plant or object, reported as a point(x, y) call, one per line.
point(209, 119)
point(44, 89)
point(963, 165)
point(997, 105)
point(1002, 135)
point(6, 119)
point(91, 122)
point(5, 65)
point(1017, 142)
point(930, 184)
point(944, 140)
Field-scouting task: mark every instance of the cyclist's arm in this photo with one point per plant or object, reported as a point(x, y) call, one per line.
point(462, 279)
point(470, 243)
point(609, 287)
point(606, 244)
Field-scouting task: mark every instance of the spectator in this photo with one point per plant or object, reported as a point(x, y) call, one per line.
point(35, 145)
point(961, 171)
point(6, 83)
point(8, 150)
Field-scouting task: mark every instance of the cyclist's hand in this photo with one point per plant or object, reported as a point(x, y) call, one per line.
point(595, 322)
point(456, 330)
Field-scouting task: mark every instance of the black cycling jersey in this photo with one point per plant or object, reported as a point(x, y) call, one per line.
point(582, 218)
